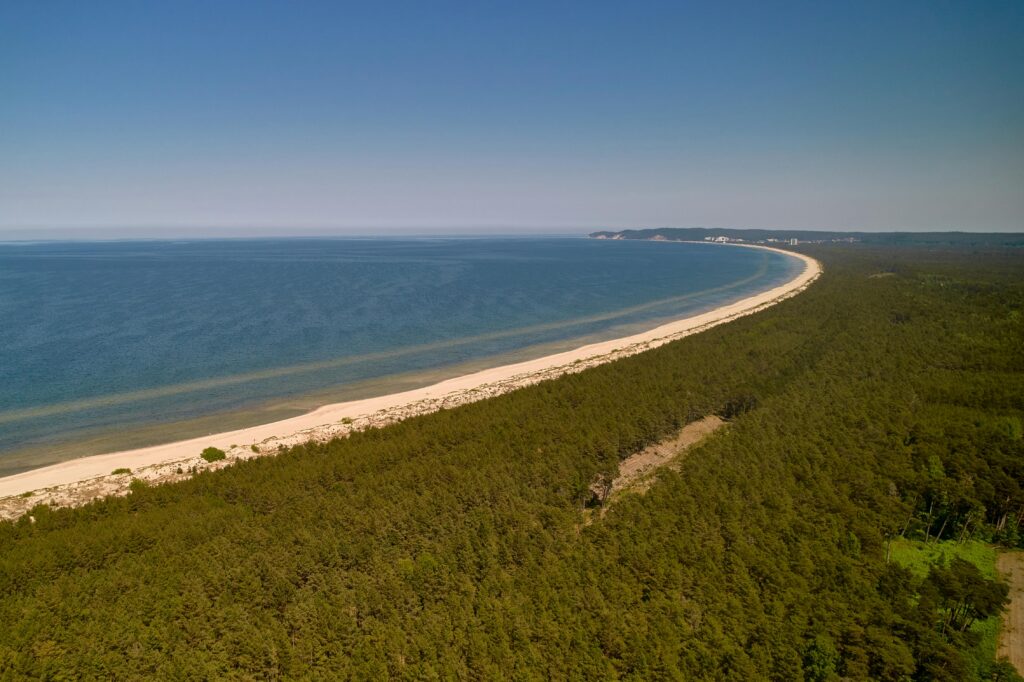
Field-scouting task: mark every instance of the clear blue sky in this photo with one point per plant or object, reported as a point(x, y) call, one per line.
point(306, 117)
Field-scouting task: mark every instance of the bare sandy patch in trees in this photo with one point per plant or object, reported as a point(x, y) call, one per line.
point(639, 471)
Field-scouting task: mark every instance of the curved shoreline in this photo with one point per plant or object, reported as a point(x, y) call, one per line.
point(78, 481)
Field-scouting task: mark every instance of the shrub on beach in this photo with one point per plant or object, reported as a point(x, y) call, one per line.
point(213, 454)
point(120, 470)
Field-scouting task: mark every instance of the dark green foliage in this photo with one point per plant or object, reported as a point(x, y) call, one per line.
point(121, 470)
point(734, 407)
point(452, 545)
point(962, 594)
point(213, 454)
point(1003, 671)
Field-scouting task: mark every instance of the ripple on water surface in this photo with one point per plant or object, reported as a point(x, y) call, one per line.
point(121, 344)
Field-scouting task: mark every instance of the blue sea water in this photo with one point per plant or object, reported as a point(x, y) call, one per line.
point(107, 337)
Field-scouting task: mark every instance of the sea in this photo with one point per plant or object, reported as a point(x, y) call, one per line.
point(111, 345)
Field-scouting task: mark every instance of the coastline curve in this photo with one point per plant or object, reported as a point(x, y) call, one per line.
point(78, 481)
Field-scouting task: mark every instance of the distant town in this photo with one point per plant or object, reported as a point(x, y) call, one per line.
point(798, 237)
point(722, 239)
point(792, 241)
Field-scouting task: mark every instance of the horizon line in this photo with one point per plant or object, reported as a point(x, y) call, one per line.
point(223, 232)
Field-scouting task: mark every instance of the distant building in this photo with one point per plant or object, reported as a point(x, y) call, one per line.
point(725, 240)
point(794, 241)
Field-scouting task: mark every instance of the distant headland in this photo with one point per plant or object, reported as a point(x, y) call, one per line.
point(793, 237)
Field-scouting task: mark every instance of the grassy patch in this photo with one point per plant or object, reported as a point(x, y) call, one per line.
point(919, 556)
point(981, 658)
point(121, 470)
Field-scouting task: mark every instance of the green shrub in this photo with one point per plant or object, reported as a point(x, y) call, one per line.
point(213, 454)
point(120, 470)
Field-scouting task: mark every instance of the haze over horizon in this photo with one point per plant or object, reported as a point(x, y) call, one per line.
point(248, 119)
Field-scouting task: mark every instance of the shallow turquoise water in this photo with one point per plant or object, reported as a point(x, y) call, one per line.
point(121, 335)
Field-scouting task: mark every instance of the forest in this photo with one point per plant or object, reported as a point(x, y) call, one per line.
point(882, 408)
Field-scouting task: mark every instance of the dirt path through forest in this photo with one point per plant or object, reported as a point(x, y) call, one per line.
point(1011, 635)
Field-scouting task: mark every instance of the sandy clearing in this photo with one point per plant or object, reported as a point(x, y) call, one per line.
point(634, 470)
point(638, 472)
point(77, 481)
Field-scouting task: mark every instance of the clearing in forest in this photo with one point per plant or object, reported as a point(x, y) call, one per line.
point(637, 472)
point(635, 468)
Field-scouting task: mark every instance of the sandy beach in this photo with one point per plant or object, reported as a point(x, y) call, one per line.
point(81, 480)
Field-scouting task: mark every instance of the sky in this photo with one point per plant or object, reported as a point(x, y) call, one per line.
point(293, 118)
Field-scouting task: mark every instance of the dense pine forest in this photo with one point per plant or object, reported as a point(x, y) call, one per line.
point(879, 409)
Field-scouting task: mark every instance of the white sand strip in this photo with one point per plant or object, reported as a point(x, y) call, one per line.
point(79, 480)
